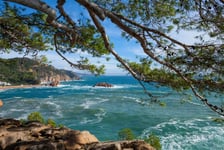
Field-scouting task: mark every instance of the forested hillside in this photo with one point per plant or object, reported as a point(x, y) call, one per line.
point(27, 71)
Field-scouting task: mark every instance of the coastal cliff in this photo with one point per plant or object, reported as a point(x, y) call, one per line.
point(33, 135)
point(18, 71)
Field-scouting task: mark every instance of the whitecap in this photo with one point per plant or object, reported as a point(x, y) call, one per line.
point(16, 110)
point(98, 118)
point(78, 87)
point(128, 97)
point(177, 134)
point(185, 141)
point(17, 97)
point(64, 85)
point(56, 108)
point(88, 103)
point(117, 87)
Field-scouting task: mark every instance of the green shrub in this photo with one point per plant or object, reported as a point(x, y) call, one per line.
point(218, 120)
point(154, 141)
point(51, 123)
point(126, 134)
point(35, 116)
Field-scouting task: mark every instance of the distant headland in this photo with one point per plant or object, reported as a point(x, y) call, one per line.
point(26, 72)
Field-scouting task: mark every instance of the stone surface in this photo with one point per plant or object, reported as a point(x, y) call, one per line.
point(103, 84)
point(1, 103)
point(32, 135)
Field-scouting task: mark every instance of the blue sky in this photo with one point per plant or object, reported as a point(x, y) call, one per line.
point(123, 47)
point(126, 49)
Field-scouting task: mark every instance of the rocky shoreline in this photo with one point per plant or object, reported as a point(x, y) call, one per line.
point(19, 86)
point(32, 135)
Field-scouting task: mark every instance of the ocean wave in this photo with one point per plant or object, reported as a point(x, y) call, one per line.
point(142, 102)
point(78, 87)
point(131, 98)
point(63, 85)
point(88, 103)
point(195, 140)
point(98, 118)
point(17, 97)
point(56, 108)
point(190, 134)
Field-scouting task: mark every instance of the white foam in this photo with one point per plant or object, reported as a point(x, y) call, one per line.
point(57, 107)
point(63, 85)
point(181, 142)
point(88, 103)
point(16, 110)
point(186, 133)
point(98, 118)
point(79, 87)
point(17, 97)
point(132, 98)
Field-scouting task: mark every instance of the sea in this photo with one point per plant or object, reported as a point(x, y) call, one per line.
point(179, 119)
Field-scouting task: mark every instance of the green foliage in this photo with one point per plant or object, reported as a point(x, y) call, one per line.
point(218, 120)
point(154, 141)
point(161, 76)
point(29, 33)
point(197, 66)
point(51, 123)
point(16, 34)
point(126, 134)
point(27, 71)
point(35, 116)
point(17, 71)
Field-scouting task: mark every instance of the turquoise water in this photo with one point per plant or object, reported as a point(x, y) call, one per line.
point(105, 111)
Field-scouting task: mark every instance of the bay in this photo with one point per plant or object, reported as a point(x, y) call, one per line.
point(181, 124)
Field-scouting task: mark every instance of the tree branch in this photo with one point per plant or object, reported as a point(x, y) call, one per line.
point(143, 43)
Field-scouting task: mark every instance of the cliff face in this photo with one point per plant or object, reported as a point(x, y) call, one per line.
point(28, 71)
point(36, 136)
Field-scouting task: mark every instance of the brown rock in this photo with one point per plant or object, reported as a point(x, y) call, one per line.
point(103, 84)
point(146, 147)
point(121, 145)
point(54, 83)
point(85, 137)
point(36, 136)
point(1, 103)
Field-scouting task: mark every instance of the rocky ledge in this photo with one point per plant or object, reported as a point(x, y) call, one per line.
point(103, 84)
point(35, 136)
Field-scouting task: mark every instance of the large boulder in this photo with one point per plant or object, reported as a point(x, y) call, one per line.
point(103, 84)
point(36, 136)
point(55, 83)
point(1, 103)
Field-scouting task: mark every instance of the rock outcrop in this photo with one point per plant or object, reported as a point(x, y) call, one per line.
point(103, 84)
point(1, 103)
point(35, 136)
point(26, 71)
